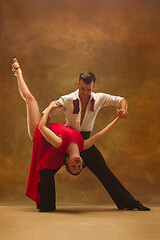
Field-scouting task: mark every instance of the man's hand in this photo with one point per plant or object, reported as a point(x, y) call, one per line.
point(122, 113)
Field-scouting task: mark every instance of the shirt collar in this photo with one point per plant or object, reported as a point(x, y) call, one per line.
point(76, 100)
point(76, 95)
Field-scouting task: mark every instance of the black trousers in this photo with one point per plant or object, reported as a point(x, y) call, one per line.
point(46, 189)
point(94, 160)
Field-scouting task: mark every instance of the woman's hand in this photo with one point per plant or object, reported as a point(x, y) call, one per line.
point(122, 113)
point(54, 104)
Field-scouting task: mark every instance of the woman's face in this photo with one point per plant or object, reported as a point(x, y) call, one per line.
point(75, 164)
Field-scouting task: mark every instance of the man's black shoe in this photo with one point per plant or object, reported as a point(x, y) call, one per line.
point(43, 210)
point(46, 210)
point(139, 206)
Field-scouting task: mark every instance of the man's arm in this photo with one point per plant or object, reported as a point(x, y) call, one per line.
point(122, 112)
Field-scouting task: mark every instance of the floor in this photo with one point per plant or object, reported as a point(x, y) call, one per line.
point(18, 222)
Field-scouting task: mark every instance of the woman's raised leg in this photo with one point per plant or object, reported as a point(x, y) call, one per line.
point(33, 114)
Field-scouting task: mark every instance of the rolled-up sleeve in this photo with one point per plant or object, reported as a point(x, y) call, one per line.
point(112, 100)
point(61, 101)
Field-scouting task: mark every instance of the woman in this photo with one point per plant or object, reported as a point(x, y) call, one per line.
point(51, 143)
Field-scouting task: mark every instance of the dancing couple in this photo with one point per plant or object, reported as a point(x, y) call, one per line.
point(55, 145)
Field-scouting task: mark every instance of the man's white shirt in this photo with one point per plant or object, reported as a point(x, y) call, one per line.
point(73, 119)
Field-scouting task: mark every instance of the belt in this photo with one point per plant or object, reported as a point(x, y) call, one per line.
point(85, 135)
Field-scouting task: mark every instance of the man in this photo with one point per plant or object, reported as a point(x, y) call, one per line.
point(81, 108)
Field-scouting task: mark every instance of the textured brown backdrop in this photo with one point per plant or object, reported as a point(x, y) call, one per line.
point(55, 41)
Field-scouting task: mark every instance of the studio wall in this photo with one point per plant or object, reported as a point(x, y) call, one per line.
point(54, 42)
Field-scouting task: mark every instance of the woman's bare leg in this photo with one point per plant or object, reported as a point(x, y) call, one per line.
point(33, 114)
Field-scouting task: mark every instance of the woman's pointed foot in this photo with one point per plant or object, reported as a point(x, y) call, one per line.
point(15, 65)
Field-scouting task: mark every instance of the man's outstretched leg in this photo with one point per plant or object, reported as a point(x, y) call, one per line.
point(122, 198)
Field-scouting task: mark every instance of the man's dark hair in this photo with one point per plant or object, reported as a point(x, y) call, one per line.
point(87, 77)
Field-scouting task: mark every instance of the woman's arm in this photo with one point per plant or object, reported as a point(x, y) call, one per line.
point(52, 138)
point(90, 141)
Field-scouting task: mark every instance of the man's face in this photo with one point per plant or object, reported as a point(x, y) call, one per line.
point(85, 89)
